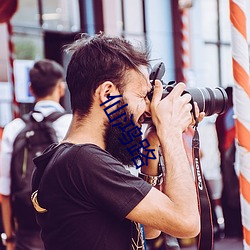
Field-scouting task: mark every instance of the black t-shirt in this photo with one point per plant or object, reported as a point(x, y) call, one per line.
point(88, 194)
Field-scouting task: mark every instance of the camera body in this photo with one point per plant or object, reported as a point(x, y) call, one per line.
point(210, 101)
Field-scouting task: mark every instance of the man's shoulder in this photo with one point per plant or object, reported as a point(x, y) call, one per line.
point(14, 127)
point(14, 123)
point(94, 155)
point(80, 151)
point(61, 125)
point(96, 159)
point(63, 120)
point(91, 150)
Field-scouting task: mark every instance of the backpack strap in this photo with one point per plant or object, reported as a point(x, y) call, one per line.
point(47, 128)
point(51, 118)
point(54, 116)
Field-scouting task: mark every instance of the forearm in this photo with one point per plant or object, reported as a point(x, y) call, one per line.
point(7, 216)
point(179, 183)
point(152, 169)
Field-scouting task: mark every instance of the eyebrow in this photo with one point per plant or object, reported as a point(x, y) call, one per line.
point(148, 87)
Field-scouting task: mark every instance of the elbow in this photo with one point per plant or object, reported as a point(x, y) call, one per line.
point(184, 227)
point(190, 227)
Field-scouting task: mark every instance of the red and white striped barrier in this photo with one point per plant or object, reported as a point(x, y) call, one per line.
point(185, 56)
point(241, 95)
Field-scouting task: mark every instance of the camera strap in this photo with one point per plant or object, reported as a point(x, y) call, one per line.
point(205, 238)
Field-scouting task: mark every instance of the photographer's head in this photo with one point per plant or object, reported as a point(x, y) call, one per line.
point(95, 60)
point(101, 67)
point(46, 80)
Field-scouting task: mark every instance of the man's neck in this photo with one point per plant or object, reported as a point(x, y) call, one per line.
point(88, 130)
point(49, 98)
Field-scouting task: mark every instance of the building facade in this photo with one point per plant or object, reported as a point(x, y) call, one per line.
point(191, 37)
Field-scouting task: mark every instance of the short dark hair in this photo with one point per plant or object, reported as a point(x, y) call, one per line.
point(44, 76)
point(96, 59)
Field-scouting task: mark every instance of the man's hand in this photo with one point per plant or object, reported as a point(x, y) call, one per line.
point(172, 114)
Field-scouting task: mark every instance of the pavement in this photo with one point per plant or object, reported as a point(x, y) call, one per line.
point(223, 244)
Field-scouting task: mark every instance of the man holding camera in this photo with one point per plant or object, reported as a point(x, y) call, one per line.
point(83, 195)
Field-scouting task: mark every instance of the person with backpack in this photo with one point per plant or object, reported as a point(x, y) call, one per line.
point(23, 139)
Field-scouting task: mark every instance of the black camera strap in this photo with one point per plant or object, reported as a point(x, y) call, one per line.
point(205, 238)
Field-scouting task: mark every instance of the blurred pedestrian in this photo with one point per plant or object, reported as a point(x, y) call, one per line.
point(225, 125)
point(47, 85)
point(210, 162)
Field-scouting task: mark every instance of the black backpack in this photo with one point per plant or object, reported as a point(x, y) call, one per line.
point(37, 135)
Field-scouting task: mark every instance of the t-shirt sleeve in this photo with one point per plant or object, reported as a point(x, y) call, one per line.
point(10, 133)
point(108, 184)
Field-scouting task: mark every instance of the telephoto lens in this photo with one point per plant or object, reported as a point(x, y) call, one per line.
point(210, 101)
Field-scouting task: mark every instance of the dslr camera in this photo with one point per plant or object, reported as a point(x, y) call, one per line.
point(210, 101)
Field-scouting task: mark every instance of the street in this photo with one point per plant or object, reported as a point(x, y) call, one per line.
point(223, 244)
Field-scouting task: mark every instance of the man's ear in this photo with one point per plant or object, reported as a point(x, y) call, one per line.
point(62, 88)
point(105, 90)
point(31, 90)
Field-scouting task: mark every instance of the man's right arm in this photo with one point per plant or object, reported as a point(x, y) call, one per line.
point(175, 211)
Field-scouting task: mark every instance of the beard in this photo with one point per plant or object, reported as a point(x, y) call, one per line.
point(112, 134)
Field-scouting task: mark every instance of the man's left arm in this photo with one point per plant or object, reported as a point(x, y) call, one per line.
point(152, 169)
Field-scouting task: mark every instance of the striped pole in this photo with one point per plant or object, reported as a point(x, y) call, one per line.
point(185, 65)
point(185, 60)
point(241, 95)
point(15, 106)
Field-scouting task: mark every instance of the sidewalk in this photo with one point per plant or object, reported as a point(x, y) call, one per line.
point(223, 244)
